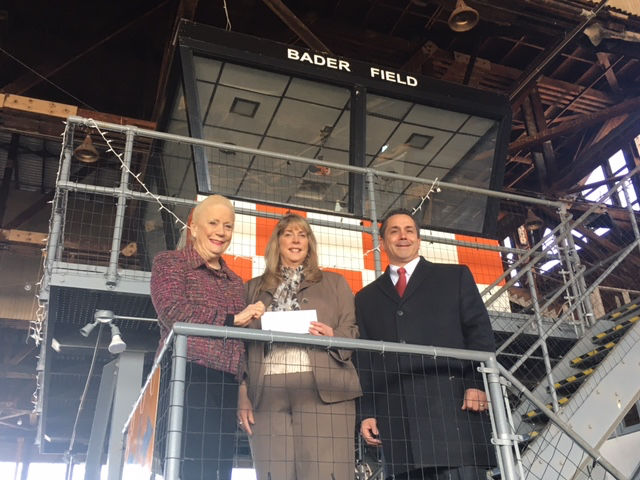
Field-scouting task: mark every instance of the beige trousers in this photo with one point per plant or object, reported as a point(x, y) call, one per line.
point(297, 436)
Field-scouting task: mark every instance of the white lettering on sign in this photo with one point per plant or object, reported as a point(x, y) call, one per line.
point(343, 65)
point(320, 60)
point(393, 77)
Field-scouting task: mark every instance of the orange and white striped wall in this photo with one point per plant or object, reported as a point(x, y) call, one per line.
point(350, 253)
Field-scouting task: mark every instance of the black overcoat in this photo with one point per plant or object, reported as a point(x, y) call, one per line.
point(417, 401)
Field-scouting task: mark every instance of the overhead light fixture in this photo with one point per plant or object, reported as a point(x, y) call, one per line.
point(117, 345)
point(463, 18)
point(419, 141)
point(86, 152)
point(532, 222)
point(246, 108)
point(88, 328)
point(106, 317)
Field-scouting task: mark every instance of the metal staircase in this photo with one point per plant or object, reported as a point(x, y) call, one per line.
point(600, 382)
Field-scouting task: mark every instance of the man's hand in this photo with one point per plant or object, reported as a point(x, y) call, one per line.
point(369, 431)
point(475, 400)
point(244, 413)
point(251, 312)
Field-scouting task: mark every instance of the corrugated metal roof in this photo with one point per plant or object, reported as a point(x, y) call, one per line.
point(631, 7)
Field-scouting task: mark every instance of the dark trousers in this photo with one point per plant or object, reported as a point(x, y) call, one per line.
point(209, 424)
point(439, 473)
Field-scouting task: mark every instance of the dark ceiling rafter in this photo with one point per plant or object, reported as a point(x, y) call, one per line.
point(621, 132)
point(30, 79)
point(296, 25)
point(527, 82)
point(575, 124)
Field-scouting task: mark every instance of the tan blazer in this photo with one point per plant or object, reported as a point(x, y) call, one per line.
point(335, 375)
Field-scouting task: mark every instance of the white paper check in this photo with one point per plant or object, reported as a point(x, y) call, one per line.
point(296, 321)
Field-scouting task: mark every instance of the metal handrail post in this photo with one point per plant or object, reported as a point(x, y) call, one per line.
point(561, 320)
point(173, 448)
point(580, 219)
point(632, 213)
point(374, 223)
point(523, 327)
point(578, 272)
point(560, 423)
point(54, 243)
point(112, 270)
point(517, 264)
point(543, 343)
point(504, 438)
point(567, 255)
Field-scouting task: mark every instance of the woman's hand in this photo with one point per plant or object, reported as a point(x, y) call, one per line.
point(250, 313)
point(244, 414)
point(318, 328)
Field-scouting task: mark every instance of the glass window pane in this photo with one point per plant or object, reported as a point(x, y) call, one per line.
point(277, 113)
point(430, 143)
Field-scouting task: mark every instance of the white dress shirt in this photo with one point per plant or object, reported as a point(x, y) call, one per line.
point(409, 267)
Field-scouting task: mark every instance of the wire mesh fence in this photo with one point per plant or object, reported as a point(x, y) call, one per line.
point(302, 421)
point(550, 283)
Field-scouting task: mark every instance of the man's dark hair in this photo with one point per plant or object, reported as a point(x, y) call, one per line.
point(397, 211)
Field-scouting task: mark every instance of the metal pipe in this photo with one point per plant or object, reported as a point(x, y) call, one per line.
point(310, 161)
point(591, 288)
point(505, 397)
point(112, 270)
point(543, 344)
point(561, 424)
point(375, 234)
point(492, 416)
point(504, 437)
point(520, 261)
point(632, 213)
point(173, 449)
point(191, 329)
point(54, 243)
point(135, 319)
point(521, 329)
point(142, 196)
point(568, 230)
point(585, 300)
point(566, 253)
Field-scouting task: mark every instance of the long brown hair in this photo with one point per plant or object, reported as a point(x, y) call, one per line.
point(272, 277)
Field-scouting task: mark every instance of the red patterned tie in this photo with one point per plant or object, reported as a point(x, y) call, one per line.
point(401, 284)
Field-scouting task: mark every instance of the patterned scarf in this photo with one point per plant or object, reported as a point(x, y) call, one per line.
point(280, 359)
point(285, 298)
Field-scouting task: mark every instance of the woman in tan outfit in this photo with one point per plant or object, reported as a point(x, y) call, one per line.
point(297, 402)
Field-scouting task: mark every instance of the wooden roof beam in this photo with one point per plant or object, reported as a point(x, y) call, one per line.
point(596, 153)
point(296, 25)
point(581, 122)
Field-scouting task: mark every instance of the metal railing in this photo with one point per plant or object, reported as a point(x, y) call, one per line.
point(138, 205)
point(496, 379)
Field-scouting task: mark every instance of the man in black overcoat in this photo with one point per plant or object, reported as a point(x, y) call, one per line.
point(428, 415)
